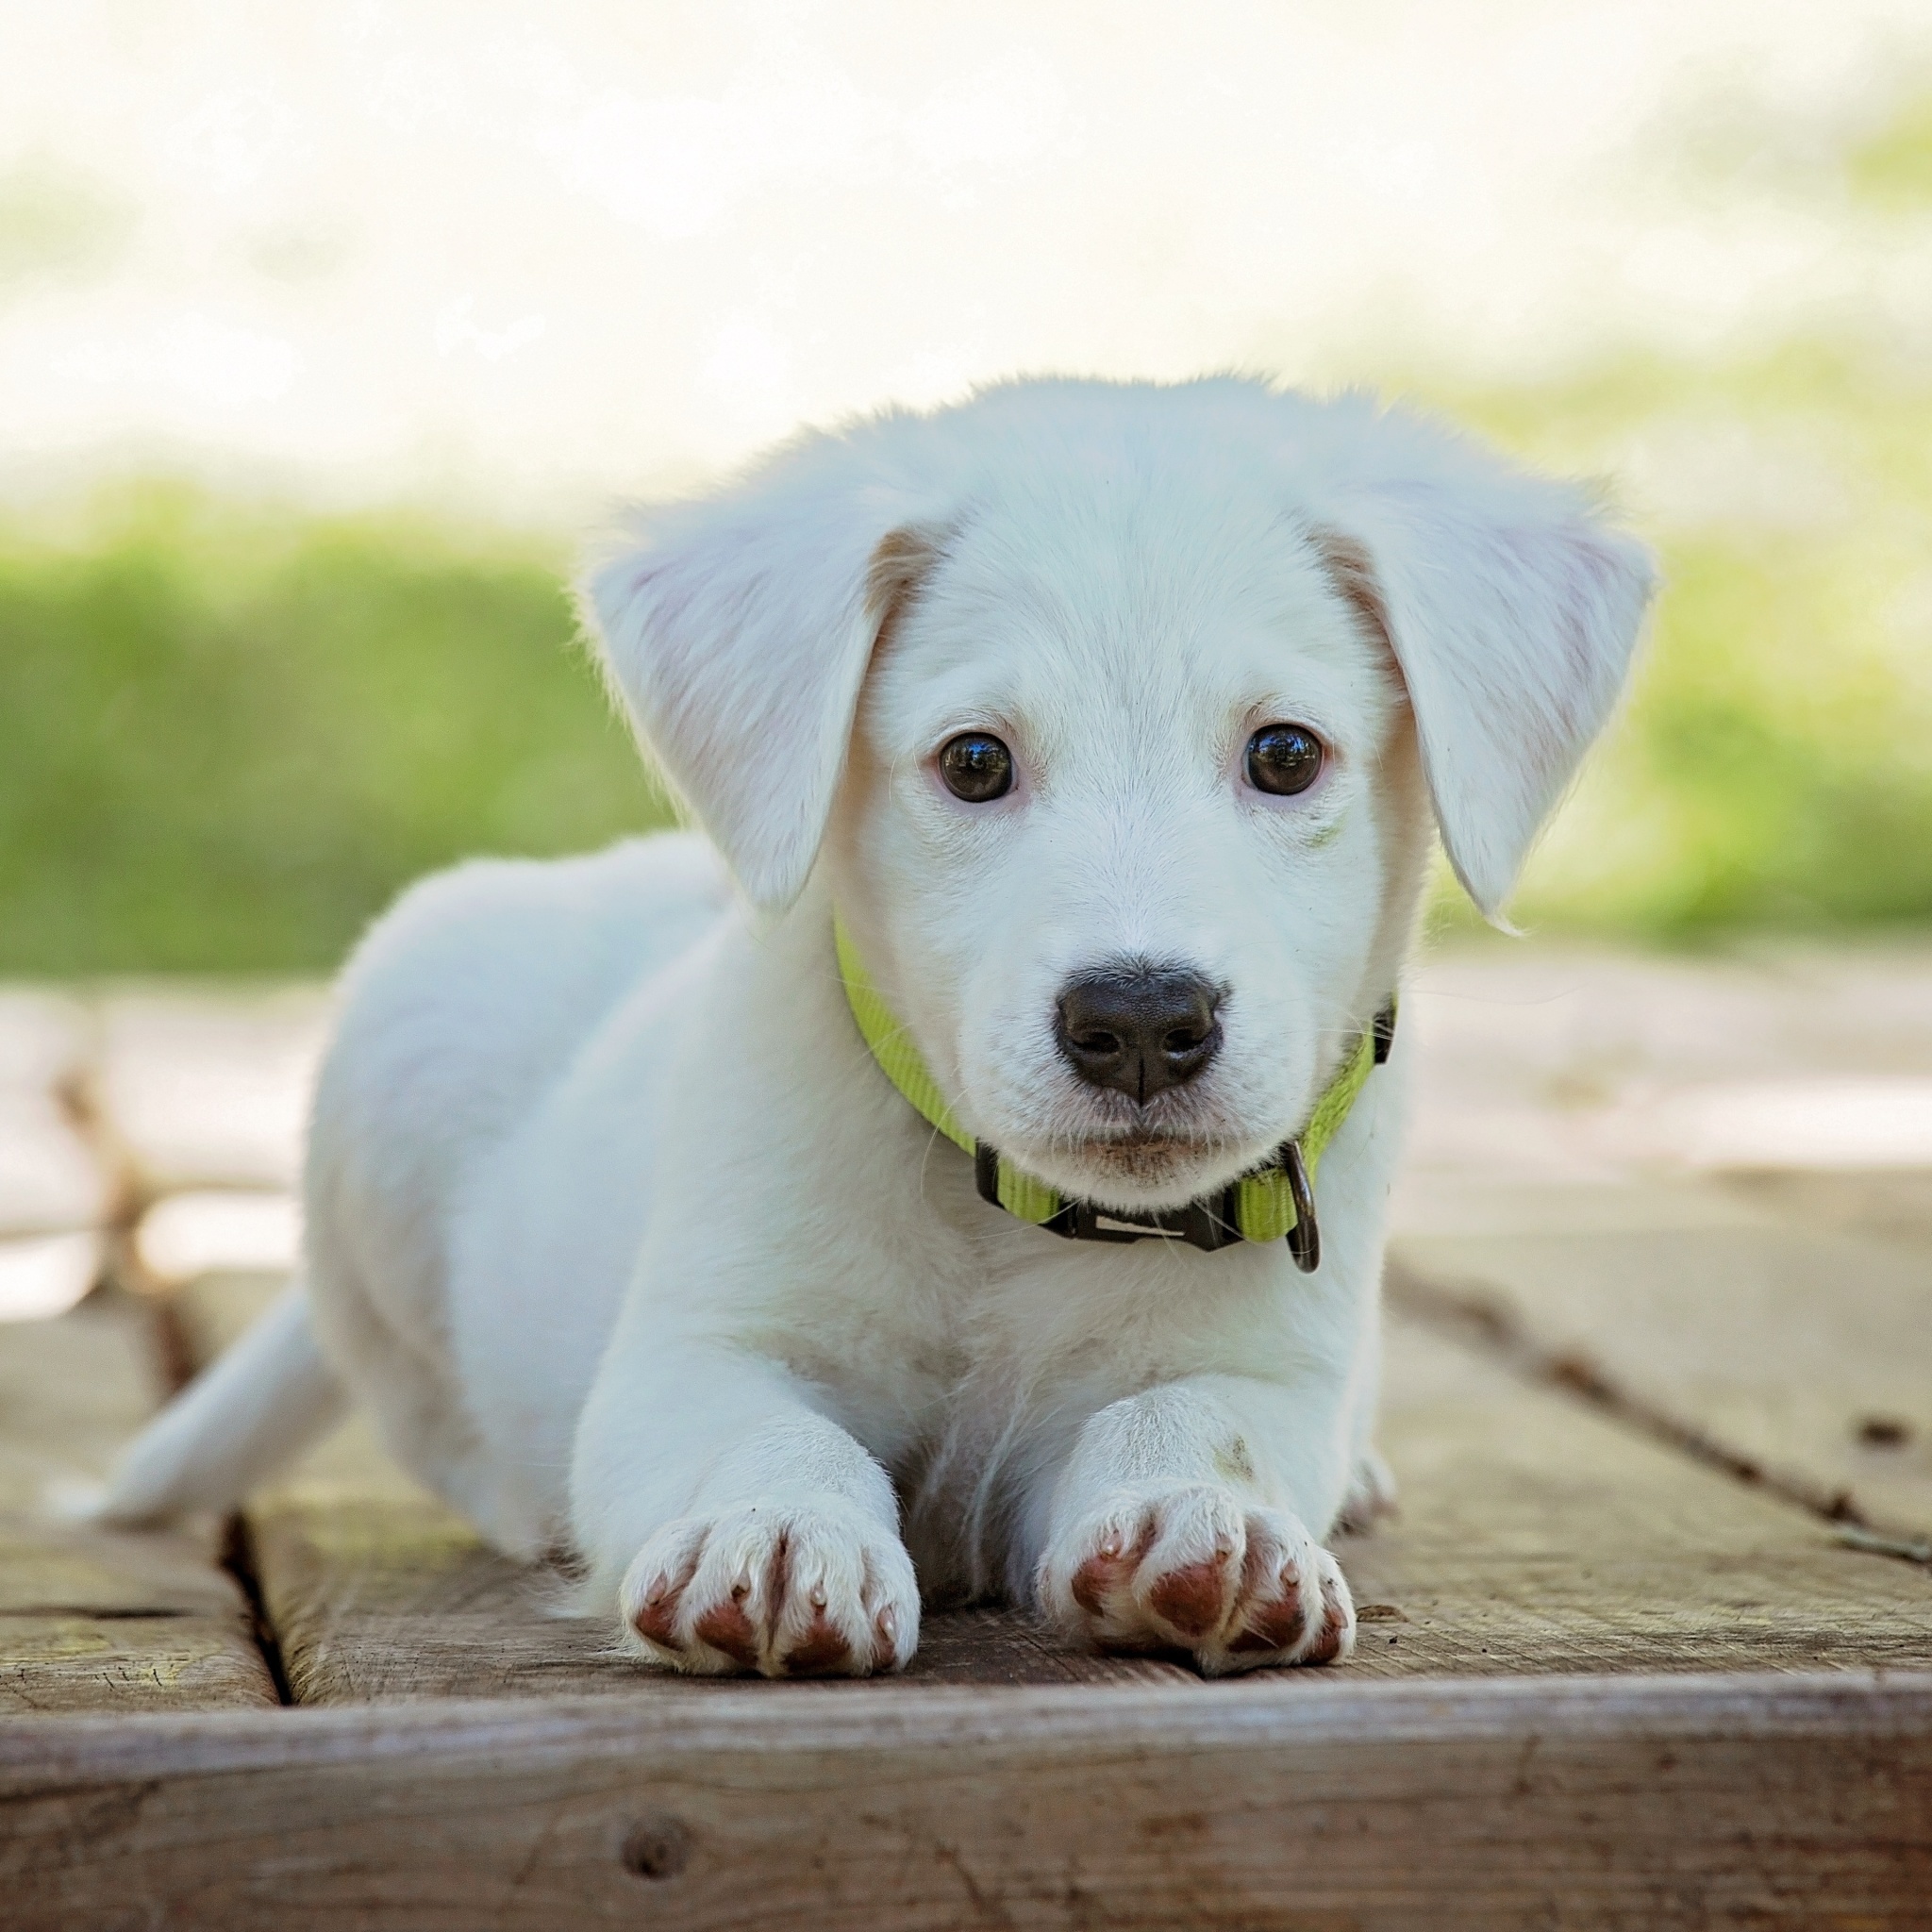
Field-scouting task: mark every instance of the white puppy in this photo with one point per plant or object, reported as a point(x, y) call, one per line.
point(1107, 724)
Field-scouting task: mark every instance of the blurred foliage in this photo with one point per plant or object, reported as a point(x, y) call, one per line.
point(54, 223)
point(227, 736)
point(1774, 765)
point(1892, 167)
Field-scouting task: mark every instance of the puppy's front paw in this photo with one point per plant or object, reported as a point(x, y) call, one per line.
point(1195, 1568)
point(788, 1589)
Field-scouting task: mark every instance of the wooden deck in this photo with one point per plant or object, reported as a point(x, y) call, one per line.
point(1646, 1646)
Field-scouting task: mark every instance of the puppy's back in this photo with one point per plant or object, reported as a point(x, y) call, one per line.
point(465, 1001)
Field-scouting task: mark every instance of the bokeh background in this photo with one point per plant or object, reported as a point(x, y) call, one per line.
point(326, 333)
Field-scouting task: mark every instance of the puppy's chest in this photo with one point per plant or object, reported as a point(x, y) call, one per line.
point(979, 1347)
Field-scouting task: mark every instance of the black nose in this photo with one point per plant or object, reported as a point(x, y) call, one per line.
point(1138, 1028)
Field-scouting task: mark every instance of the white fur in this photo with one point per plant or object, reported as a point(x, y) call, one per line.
point(264, 1402)
point(630, 1245)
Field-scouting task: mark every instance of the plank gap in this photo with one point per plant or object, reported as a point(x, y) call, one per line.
point(93, 1619)
point(240, 1561)
point(1479, 1314)
point(177, 1358)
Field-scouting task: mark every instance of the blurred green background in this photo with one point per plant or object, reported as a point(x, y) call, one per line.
point(1773, 764)
point(228, 733)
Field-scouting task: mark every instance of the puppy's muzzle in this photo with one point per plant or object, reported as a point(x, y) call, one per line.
point(1138, 1028)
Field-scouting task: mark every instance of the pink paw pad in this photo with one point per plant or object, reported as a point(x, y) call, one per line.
point(1193, 1600)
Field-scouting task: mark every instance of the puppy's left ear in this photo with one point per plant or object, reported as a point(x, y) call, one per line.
point(1512, 608)
point(738, 630)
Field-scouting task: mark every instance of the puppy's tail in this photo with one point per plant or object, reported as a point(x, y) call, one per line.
point(253, 1410)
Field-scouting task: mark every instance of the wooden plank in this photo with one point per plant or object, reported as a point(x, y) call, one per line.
point(378, 1591)
point(1779, 1314)
point(374, 1598)
point(1640, 1804)
point(1534, 1537)
point(1894, 1205)
point(1802, 1348)
point(93, 1619)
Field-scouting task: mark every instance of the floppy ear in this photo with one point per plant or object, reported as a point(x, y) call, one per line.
point(738, 630)
point(1513, 609)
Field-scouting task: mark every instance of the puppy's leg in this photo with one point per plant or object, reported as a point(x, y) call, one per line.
point(738, 1527)
point(1372, 1494)
point(1372, 1489)
point(1176, 1525)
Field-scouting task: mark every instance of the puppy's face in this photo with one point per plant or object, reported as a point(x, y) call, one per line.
point(1120, 772)
point(1131, 809)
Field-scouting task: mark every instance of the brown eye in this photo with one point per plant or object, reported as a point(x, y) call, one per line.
point(1284, 760)
point(976, 767)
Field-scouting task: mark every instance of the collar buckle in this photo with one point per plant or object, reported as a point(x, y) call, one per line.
point(1206, 1224)
point(1304, 1236)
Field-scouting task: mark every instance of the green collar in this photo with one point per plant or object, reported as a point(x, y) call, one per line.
point(1275, 1200)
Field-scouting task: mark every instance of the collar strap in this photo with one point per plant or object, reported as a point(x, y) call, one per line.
point(1273, 1202)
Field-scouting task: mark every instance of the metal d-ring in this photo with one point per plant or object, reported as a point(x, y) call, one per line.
point(1304, 1236)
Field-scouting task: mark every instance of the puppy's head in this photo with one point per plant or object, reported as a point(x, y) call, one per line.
point(1113, 717)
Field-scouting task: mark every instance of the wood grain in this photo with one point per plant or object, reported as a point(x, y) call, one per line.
point(1644, 1804)
point(1893, 1204)
point(1457, 1774)
point(1535, 1536)
point(378, 1591)
point(377, 1597)
point(93, 1619)
point(1783, 1339)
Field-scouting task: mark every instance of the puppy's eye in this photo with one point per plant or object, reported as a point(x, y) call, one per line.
point(1284, 758)
point(976, 767)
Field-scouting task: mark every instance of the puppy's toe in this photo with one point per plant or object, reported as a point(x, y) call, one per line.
point(651, 1596)
point(1335, 1640)
point(1296, 1609)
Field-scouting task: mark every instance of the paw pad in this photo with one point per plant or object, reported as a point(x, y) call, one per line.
point(1193, 1600)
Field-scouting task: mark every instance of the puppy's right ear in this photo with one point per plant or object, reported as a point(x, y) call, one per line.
point(738, 630)
point(1511, 606)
